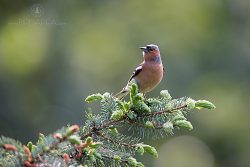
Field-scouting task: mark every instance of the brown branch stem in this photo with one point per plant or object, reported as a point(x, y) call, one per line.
point(116, 142)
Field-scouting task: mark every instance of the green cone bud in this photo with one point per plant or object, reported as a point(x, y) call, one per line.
point(126, 106)
point(169, 106)
point(117, 158)
point(31, 146)
point(190, 103)
point(116, 115)
point(114, 131)
point(71, 130)
point(184, 124)
point(133, 89)
point(139, 149)
point(178, 117)
point(141, 107)
point(74, 139)
point(88, 140)
point(132, 161)
point(94, 97)
point(204, 104)
point(41, 138)
point(139, 164)
point(95, 145)
point(149, 124)
point(165, 94)
point(46, 148)
point(149, 149)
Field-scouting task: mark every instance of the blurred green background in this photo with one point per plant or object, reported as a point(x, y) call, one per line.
point(55, 53)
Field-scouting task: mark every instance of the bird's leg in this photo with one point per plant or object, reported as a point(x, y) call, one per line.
point(145, 97)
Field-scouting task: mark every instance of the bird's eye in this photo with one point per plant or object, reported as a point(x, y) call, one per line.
point(149, 48)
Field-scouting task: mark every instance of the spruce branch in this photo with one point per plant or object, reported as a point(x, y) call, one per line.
point(100, 141)
point(126, 117)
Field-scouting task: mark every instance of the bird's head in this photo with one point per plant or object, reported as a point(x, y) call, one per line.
point(151, 50)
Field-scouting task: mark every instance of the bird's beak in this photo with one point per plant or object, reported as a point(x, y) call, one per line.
point(144, 49)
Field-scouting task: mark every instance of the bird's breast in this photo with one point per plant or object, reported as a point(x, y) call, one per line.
point(150, 76)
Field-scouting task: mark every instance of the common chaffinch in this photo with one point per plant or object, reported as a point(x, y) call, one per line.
point(148, 74)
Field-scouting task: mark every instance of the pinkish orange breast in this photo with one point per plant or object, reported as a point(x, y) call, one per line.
point(150, 76)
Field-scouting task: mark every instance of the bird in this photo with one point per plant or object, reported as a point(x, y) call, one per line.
point(148, 74)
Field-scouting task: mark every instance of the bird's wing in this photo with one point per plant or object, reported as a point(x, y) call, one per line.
point(126, 89)
point(136, 72)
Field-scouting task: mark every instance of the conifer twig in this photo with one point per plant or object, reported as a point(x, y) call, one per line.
point(113, 122)
point(98, 142)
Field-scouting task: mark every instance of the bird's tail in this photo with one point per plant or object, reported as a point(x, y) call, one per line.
point(122, 93)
